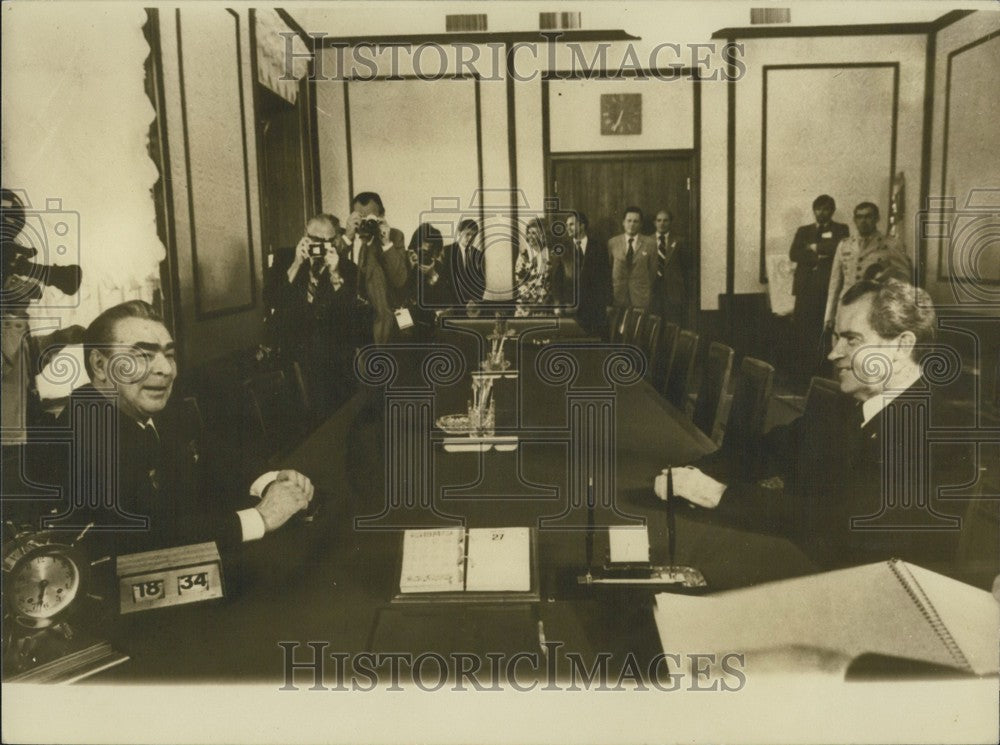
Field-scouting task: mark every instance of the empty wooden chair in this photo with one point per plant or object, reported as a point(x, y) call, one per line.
point(678, 378)
point(748, 412)
point(824, 397)
point(274, 414)
point(711, 393)
point(668, 341)
point(630, 325)
point(616, 320)
point(648, 340)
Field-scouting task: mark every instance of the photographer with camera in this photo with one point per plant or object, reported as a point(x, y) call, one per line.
point(25, 355)
point(383, 267)
point(312, 302)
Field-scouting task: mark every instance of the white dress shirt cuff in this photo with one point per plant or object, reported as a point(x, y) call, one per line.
point(252, 524)
point(250, 519)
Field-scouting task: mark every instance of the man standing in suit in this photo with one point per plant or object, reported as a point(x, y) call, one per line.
point(383, 267)
point(670, 295)
point(463, 266)
point(312, 303)
point(633, 263)
point(141, 462)
point(852, 486)
point(812, 251)
point(583, 275)
point(867, 255)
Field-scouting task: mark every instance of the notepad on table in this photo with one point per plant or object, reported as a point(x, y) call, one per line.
point(475, 560)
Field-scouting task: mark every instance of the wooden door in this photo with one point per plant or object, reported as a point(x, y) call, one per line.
point(602, 185)
point(286, 198)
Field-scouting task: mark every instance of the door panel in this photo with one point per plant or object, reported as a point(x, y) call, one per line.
point(602, 186)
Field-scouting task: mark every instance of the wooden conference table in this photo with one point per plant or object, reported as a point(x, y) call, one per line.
point(332, 580)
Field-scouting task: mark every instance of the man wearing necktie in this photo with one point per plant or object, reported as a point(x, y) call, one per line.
point(583, 275)
point(848, 479)
point(670, 295)
point(383, 267)
point(633, 263)
point(312, 308)
point(146, 466)
point(463, 266)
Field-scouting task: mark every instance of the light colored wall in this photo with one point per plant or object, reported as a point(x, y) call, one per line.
point(973, 162)
point(857, 115)
point(575, 115)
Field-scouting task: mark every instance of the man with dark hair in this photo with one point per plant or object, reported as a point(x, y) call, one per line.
point(673, 269)
point(463, 265)
point(852, 484)
point(311, 311)
point(867, 255)
point(583, 275)
point(132, 457)
point(633, 263)
point(379, 253)
point(812, 251)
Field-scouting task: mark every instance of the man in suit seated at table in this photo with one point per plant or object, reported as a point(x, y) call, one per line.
point(633, 263)
point(582, 275)
point(132, 453)
point(822, 478)
point(312, 308)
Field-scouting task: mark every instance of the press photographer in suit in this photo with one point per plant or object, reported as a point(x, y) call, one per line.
point(673, 267)
point(825, 479)
point(143, 462)
point(379, 253)
point(313, 309)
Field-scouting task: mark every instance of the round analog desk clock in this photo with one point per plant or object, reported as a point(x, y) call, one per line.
point(44, 577)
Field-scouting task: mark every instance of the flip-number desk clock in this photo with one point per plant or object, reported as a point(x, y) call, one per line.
point(170, 576)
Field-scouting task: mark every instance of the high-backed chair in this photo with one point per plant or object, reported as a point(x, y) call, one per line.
point(631, 324)
point(711, 394)
point(616, 320)
point(648, 340)
point(748, 412)
point(274, 414)
point(679, 375)
point(823, 397)
point(668, 341)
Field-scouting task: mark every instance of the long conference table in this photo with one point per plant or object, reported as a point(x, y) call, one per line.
point(580, 410)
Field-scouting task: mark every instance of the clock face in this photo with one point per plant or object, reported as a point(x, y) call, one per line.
point(43, 585)
point(621, 113)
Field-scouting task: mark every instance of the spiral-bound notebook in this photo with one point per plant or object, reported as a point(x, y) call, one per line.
point(891, 609)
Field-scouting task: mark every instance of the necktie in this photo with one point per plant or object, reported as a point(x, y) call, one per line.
point(313, 285)
point(151, 453)
point(857, 417)
point(630, 254)
point(661, 255)
point(579, 246)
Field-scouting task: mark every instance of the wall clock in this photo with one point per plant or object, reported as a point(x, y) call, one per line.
point(621, 113)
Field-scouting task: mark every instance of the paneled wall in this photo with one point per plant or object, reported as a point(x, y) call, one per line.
point(215, 250)
point(962, 268)
point(821, 115)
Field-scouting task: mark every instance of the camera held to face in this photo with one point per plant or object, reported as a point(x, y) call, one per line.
point(369, 227)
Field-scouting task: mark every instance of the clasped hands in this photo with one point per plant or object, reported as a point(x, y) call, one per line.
point(290, 492)
point(692, 485)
